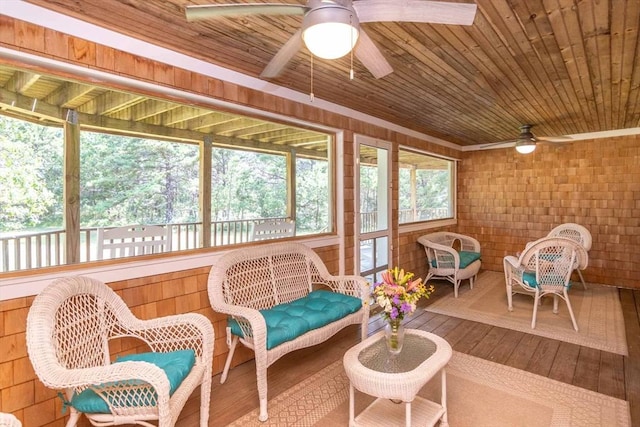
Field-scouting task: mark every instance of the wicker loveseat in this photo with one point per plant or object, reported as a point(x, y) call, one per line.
point(279, 298)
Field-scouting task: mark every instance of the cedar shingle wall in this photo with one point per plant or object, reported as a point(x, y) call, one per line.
point(506, 199)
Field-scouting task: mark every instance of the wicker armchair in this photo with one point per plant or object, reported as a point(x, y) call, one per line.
point(246, 282)
point(69, 327)
point(577, 233)
point(544, 268)
point(447, 263)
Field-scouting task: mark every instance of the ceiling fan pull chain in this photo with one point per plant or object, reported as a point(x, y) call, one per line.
point(351, 51)
point(311, 91)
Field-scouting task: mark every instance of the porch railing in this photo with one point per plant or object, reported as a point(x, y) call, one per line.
point(27, 250)
point(369, 220)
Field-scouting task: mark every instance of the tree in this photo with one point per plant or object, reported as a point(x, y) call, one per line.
point(31, 196)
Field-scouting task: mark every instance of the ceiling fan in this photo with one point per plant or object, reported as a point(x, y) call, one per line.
point(331, 28)
point(526, 141)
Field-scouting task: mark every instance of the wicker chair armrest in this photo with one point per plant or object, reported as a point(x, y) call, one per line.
point(63, 378)
point(355, 286)
point(470, 244)
point(177, 332)
point(128, 380)
point(257, 331)
point(512, 264)
point(444, 248)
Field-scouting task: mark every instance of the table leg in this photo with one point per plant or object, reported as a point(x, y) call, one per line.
point(443, 400)
point(408, 414)
point(352, 419)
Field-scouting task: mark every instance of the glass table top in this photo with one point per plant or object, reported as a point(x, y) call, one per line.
point(415, 350)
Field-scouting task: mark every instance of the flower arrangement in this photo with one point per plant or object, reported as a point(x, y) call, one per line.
point(398, 293)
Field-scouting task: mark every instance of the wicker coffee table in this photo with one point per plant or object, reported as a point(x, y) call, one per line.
point(397, 379)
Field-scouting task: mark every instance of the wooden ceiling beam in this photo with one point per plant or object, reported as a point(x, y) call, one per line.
point(110, 102)
point(21, 81)
point(67, 94)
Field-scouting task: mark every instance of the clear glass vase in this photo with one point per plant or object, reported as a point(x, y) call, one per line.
point(394, 334)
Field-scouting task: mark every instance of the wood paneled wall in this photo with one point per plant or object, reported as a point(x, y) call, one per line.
point(506, 199)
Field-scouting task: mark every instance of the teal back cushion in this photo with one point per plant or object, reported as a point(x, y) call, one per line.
point(175, 364)
point(286, 322)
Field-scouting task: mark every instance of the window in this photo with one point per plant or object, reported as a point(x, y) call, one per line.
point(140, 164)
point(426, 188)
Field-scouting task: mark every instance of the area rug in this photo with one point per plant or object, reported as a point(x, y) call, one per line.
point(479, 393)
point(597, 309)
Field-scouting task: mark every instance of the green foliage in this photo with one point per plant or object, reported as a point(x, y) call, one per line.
point(312, 195)
point(30, 194)
point(126, 180)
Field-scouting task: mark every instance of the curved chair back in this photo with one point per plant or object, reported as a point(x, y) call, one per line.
point(574, 232)
point(552, 259)
point(69, 326)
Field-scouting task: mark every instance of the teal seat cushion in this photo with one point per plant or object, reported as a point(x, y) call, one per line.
point(466, 259)
point(286, 322)
point(529, 278)
point(175, 364)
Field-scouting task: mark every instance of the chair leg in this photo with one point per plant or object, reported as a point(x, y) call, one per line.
point(73, 418)
point(535, 309)
point(573, 318)
point(261, 379)
point(509, 298)
point(205, 399)
point(456, 285)
point(227, 363)
point(584, 285)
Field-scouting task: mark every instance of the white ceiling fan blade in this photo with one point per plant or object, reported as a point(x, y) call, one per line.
point(207, 11)
point(499, 144)
point(371, 57)
point(284, 55)
point(561, 138)
point(432, 12)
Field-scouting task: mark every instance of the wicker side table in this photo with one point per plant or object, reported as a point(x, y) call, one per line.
point(397, 378)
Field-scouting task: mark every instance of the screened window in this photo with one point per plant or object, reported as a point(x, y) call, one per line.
point(426, 187)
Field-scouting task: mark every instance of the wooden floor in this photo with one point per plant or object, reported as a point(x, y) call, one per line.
point(596, 370)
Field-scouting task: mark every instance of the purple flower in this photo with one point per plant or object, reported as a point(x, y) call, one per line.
point(396, 300)
point(406, 307)
point(394, 313)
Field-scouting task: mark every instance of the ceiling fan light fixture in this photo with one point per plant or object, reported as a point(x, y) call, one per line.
point(330, 32)
point(525, 146)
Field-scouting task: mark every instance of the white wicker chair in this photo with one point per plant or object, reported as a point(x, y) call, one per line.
point(574, 232)
point(245, 281)
point(445, 262)
point(69, 327)
point(544, 268)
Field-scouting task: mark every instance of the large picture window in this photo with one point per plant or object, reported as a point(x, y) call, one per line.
point(144, 166)
point(427, 187)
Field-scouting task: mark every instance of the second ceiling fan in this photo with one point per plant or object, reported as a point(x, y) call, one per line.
point(331, 28)
point(526, 141)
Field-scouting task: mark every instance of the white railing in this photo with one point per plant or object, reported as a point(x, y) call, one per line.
point(27, 250)
point(409, 215)
point(369, 220)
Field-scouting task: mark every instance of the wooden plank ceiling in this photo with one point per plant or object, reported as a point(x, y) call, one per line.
point(565, 66)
